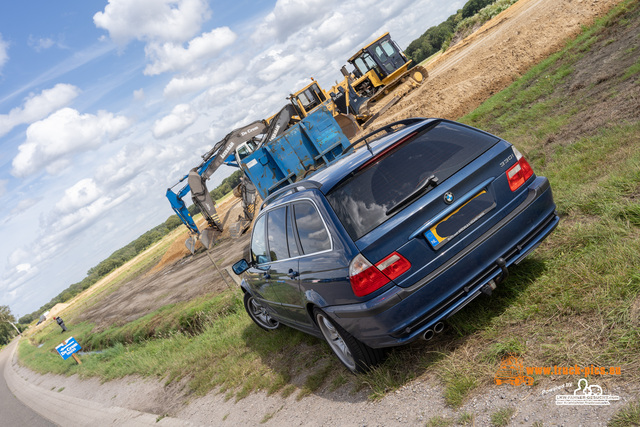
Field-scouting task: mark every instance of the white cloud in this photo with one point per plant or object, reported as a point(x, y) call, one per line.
point(4, 56)
point(40, 44)
point(289, 16)
point(23, 268)
point(39, 106)
point(83, 193)
point(220, 74)
point(174, 57)
point(138, 95)
point(3, 186)
point(52, 142)
point(131, 161)
point(182, 116)
point(152, 20)
point(274, 64)
point(25, 204)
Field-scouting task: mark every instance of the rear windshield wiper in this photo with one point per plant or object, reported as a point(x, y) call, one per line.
point(425, 185)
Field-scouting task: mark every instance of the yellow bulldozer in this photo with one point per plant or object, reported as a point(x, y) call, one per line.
point(379, 67)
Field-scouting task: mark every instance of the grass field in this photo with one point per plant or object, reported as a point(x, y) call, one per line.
point(575, 300)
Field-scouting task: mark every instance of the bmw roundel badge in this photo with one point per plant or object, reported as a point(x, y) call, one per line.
point(449, 197)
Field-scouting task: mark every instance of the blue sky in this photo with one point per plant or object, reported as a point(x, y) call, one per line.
point(105, 104)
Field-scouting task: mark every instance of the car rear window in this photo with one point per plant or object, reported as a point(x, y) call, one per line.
point(362, 201)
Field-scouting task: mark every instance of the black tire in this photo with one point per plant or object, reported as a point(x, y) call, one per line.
point(259, 314)
point(354, 355)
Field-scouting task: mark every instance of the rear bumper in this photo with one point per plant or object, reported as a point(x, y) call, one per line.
point(402, 315)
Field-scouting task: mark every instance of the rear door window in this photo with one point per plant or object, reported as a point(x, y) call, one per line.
point(312, 232)
point(362, 201)
point(276, 234)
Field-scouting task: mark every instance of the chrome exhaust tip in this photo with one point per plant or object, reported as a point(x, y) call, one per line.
point(428, 334)
point(438, 327)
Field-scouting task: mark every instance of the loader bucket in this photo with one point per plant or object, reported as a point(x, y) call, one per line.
point(208, 237)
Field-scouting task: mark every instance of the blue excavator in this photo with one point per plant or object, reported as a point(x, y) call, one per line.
point(235, 145)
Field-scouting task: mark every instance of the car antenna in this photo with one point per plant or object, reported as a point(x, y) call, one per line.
point(368, 146)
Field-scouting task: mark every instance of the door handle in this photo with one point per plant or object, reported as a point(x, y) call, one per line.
point(293, 274)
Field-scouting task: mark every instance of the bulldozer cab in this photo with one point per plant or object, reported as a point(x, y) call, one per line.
point(308, 98)
point(381, 56)
point(377, 64)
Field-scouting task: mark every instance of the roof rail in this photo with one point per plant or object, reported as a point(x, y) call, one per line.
point(291, 188)
point(388, 129)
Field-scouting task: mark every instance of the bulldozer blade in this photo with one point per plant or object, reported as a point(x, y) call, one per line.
point(348, 125)
point(208, 236)
point(238, 228)
point(190, 243)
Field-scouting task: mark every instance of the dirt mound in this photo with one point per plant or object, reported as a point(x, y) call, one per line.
point(178, 276)
point(494, 56)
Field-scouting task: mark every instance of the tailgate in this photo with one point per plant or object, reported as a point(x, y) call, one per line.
point(424, 196)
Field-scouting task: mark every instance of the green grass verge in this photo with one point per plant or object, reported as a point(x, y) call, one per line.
point(628, 416)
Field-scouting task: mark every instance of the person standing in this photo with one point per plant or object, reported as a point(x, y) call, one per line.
point(61, 323)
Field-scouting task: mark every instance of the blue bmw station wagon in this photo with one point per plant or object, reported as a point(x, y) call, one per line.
point(379, 248)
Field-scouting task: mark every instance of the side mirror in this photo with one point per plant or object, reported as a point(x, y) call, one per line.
point(240, 267)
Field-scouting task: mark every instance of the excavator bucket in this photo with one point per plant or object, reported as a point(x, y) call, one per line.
point(238, 228)
point(208, 236)
point(190, 243)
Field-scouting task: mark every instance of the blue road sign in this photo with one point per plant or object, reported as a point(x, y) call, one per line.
point(66, 349)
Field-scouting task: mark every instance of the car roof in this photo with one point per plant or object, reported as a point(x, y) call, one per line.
point(333, 174)
point(327, 178)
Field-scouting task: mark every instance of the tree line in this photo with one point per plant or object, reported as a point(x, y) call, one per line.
point(128, 252)
point(437, 38)
point(8, 328)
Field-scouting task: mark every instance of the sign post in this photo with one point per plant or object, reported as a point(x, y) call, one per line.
point(68, 348)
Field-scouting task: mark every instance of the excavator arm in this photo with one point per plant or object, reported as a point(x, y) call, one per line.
point(211, 162)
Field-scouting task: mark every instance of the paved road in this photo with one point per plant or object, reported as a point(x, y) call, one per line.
point(23, 403)
point(12, 411)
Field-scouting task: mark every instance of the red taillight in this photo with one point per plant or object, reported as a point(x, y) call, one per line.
point(366, 278)
point(519, 173)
